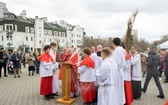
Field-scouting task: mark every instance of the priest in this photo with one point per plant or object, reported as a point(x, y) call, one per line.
point(71, 57)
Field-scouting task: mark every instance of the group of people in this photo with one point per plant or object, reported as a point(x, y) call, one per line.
point(11, 62)
point(108, 76)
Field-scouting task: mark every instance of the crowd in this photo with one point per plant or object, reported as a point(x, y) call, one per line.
point(12, 62)
point(106, 76)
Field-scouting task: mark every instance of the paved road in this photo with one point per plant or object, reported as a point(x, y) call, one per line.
point(25, 91)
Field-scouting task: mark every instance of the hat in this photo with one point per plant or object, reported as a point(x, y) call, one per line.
point(15, 50)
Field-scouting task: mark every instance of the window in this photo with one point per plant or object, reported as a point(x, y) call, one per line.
point(49, 32)
point(26, 38)
point(8, 26)
point(39, 41)
point(63, 34)
point(50, 39)
point(39, 27)
point(78, 35)
point(2, 38)
point(59, 33)
point(32, 30)
point(39, 35)
point(31, 38)
point(72, 35)
point(78, 41)
point(9, 17)
point(15, 27)
point(56, 33)
point(45, 32)
point(72, 41)
point(27, 29)
point(1, 28)
point(44, 39)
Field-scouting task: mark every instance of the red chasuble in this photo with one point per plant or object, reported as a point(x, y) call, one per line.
point(46, 82)
point(88, 88)
point(73, 59)
point(128, 87)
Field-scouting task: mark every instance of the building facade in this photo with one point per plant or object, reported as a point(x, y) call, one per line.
point(27, 34)
point(75, 34)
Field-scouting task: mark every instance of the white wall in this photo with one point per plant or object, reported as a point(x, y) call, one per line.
point(2, 6)
point(39, 33)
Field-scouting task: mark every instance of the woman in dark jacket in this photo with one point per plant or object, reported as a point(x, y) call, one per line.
point(16, 63)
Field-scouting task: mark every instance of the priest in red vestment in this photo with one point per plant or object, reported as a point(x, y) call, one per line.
point(46, 73)
point(71, 57)
point(87, 77)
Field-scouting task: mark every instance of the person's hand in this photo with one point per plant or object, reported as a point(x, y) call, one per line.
point(54, 71)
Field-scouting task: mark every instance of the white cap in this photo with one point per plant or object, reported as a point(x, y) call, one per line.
point(15, 50)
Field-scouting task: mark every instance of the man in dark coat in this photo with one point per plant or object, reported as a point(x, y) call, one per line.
point(152, 71)
point(3, 61)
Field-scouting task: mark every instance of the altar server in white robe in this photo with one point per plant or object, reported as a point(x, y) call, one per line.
point(55, 83)
point(107, 75)
point(97, 59)
point(46, 73)
point(136, 73)
point(118, 56)
point(87, 78)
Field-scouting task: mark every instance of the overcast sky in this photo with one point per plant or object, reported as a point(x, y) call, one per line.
point(101, 17)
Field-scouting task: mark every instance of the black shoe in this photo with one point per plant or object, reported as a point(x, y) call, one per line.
point(51, 97)
point(55, 94)
point(5, 76)
point(143, 90)
point(165, 81)
point(32, 74)
point(160, 96)
point(74, 96)
point(19, 77)
point(14, 76)
point(46, 97)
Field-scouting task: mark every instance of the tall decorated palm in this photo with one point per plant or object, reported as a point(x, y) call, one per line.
point(129, 36)
point(58, 51)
